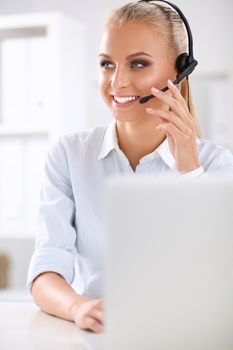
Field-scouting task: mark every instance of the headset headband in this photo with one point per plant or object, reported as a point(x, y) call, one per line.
point(185, 21)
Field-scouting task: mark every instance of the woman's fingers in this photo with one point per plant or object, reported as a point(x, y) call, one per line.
point(92, 324)
point(174, 104)
point(89, 315)
point(173, 131)
point(100, 303)
point(178, 125)
point(171, 117)
point(177, 95)
point(97, 314)
point(95, 317)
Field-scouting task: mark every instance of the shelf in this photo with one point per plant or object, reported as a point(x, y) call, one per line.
point(17, 235)
point(23, 132)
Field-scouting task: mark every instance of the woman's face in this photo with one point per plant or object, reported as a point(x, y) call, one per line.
point(133, 58)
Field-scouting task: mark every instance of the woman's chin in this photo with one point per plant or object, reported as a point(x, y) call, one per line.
point(121, 117)
point(124, 117)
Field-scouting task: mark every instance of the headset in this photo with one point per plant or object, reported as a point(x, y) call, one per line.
point(185, 62)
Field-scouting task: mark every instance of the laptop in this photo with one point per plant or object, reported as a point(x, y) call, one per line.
point(169, 278)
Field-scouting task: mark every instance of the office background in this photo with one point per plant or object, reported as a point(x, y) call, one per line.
point(49, 86)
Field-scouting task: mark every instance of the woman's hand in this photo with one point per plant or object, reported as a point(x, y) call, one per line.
point(88, 315)
point(179, 127)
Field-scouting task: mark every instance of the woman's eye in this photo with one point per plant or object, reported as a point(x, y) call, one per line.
point(134, 65)
point(106, 64)
point(138, 64)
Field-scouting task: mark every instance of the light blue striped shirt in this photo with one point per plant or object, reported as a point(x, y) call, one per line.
point(70, 238)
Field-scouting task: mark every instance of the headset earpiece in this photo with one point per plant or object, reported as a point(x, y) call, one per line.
point(185, 63)
point(182, 62)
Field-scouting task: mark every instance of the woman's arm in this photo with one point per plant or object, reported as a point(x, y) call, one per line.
point(55, 297)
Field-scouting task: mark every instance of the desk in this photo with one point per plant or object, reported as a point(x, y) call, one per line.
point(24, 326)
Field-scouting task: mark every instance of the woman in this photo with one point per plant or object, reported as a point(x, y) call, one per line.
point(138, 50)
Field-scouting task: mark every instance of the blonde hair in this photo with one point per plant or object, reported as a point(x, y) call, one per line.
point(169, 24)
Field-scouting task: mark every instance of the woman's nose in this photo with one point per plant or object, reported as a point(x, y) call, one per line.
point(120, 79)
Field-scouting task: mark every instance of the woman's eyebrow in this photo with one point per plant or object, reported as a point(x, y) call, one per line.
point(129, 56)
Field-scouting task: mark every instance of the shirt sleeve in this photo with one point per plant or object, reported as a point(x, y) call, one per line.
point(216, 161)
point(222, 162)
point(56, 232)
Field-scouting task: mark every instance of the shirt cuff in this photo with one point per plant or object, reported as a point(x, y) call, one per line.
point(51, 260)
point(193, 174)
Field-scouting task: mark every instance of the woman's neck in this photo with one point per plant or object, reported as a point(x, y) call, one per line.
point(138, 139)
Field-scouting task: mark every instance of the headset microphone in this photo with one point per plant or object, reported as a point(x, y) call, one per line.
point(179, 78)
point(185, 62)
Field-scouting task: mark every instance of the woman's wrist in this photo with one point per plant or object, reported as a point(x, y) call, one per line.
point(193, 173)
point(190, 168)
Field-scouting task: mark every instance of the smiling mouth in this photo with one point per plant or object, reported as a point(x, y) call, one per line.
point(125, 100)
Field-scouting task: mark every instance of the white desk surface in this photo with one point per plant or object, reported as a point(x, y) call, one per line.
point(25, 326)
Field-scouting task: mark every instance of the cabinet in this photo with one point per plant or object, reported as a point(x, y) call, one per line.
point(42, 95)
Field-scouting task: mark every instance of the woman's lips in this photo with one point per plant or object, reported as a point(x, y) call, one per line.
point(124, 104)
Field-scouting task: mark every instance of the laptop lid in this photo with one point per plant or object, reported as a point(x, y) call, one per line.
point(169, 264)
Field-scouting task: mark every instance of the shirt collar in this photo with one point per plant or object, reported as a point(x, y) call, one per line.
point(110, 142)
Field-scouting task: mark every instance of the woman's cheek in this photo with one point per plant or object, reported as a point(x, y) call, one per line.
point(103, 88)
point(152, 81)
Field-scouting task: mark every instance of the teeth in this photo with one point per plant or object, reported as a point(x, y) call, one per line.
point(125, 99)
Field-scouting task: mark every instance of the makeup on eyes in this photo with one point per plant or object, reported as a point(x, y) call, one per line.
point(144, 63)
point(102, 63)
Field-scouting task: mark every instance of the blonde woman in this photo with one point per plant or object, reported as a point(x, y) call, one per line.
point(139, 47)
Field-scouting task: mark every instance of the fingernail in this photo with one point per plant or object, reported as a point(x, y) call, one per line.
point(159, 127)
point(154, 90)
point(170, 82)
